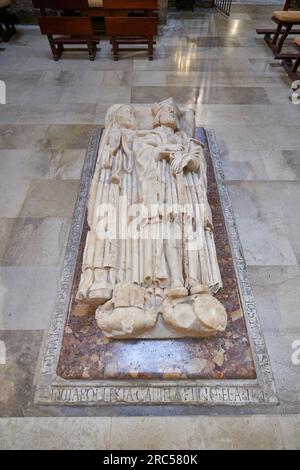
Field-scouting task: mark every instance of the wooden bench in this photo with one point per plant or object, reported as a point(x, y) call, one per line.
point(131, 22)
point(65, 28)
point(286, 20)
point(7, 21)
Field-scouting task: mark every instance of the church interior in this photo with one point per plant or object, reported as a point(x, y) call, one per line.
point(149, 225)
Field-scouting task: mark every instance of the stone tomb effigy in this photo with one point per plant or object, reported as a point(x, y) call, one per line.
point(154, 319)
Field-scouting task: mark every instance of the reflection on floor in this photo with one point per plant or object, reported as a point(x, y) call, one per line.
point(227, 74)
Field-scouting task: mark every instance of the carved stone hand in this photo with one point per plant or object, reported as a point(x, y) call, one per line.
point(168, 150)
point(179, 163)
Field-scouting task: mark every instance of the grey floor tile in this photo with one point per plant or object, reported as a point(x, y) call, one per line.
point(12, 197)
point(244, 165)
point(282, 165)
point(96, 94)
point(232, 95)
point(290, 429)
point(50, 198)
point(34, 242)
point(73, 113)
point(287, 378)
point(277, 295)
point(255, 199)
point(27, 297)
point(22, 136)
point(265, 242)
point(44, 137)
point(55, 433)
point(259, 138)
point(205, 95)
point(293, 233)
point(196, 433)
point(152, 94)
point(66, 137)
point(48, 164)
point(16, 376)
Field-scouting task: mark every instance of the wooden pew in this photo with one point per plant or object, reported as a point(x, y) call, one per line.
point(131, 22)
point(65, 28)
point(286, 20)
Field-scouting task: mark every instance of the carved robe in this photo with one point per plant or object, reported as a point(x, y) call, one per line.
point(191, 261)
point(106, 259)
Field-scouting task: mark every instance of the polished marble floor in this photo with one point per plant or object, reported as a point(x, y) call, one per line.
point(226, 73)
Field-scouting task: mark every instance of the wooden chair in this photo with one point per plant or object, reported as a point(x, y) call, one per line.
point(291, 62)
point(66, 28)
point(130, 30)
point(285, 19)
point(131, 22)
point(7, 21)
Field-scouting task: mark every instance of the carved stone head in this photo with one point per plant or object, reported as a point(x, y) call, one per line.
point(126, 116)
point(166, 113)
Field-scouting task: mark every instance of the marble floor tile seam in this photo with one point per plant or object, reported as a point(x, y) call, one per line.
point(189, 94)
point(240, 80)
point(214, 65)
point(36, 118)
point(160, 63)
point(266, 183)
point(44, 178)
point(29, 265)
point(35, 64)
point(258, 181)
point(281, 331)
point(226, 94)
point(266, 216)
point(201, 95)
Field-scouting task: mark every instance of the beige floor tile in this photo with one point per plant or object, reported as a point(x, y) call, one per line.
point(55, 433)
point(50, 198)
point(290, 428)
point(196, 433)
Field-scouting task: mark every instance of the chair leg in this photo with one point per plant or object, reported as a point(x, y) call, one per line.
point(91, 49)
point(277, 34)
point(283, 38)
point(296, 64)
point(150, 48)
point(115, 48)
point(2, 32)
point(56, 50)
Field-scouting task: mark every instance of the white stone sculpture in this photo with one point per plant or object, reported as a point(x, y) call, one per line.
point(104, 260)
point(159, 279)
